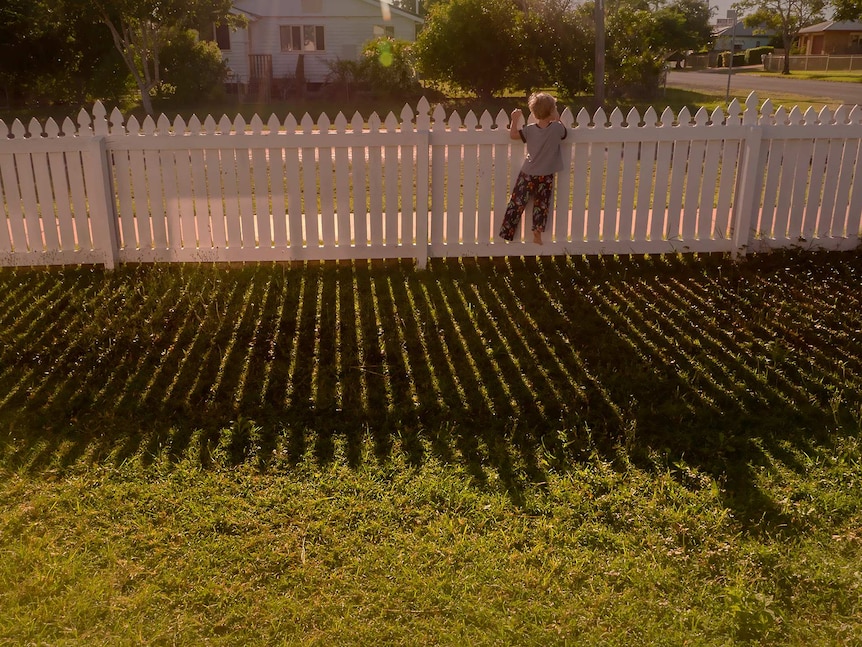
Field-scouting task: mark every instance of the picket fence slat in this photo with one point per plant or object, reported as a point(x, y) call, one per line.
point(423, 184)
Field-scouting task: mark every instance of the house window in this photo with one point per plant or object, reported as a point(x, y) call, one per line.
point(296, 38)
point(222, 36)
point(856, 42)
point(385, 30)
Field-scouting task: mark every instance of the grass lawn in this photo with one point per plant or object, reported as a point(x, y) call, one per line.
point(556, 451)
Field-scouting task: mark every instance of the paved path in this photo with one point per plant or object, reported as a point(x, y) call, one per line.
point(827, 92)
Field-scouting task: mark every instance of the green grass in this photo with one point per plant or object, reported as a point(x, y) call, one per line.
point(662, 450)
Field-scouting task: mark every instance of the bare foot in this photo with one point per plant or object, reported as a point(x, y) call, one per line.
point(537, 237)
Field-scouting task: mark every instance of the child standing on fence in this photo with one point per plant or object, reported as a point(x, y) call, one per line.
point(544, 158)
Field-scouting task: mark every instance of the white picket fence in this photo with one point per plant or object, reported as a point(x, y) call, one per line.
point(110, 190)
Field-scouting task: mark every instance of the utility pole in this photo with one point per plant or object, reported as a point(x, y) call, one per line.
point(731, 13)
point(600, 54)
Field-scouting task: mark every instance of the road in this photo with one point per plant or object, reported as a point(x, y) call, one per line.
point(767, 87)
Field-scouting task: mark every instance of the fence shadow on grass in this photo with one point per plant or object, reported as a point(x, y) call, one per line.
point(516, 366)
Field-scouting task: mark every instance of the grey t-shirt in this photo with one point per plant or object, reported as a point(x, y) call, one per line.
point(544, 155)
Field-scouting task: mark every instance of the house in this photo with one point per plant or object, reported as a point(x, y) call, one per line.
point(321, 31)
point(831, 37)
point(741, 37)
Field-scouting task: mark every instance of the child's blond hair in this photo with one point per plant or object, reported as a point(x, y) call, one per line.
point(542, 105)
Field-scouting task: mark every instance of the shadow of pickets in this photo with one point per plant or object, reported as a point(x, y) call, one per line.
point(505, 364)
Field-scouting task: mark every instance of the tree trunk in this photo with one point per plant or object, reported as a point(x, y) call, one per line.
point(788, 43)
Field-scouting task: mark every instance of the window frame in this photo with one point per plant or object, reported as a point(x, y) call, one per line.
point(297, 38)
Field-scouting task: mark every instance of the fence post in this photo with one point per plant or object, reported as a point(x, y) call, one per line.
point(423, 184)
point(748, 188)
point(101, 198)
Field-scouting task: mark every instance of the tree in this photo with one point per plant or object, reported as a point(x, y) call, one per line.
point(470, 44)
point(847, 9)
point(51, 54)
point(141, 29)
point(786, 17)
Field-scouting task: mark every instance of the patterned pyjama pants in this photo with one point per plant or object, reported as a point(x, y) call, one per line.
point(541, 188)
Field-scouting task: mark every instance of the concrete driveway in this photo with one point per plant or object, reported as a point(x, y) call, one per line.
point(767, 87)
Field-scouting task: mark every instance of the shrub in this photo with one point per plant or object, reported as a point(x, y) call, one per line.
point(387, 66)
point(192, 70)
point(754, 56)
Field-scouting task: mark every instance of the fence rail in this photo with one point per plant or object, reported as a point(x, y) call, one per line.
point(112, 190)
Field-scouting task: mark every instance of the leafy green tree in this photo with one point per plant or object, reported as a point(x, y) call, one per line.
point(786, 17)
point(193, 70)
point(471, 45)
point(53, 55)
point(141, 29)
point(847, 9)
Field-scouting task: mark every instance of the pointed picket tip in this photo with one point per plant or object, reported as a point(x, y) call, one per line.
point(439, 118)
point(133, 127)
point(406, 114)
point(701, 117)
point(454, 121)
point(734, 109)
point(194, 125)
point(273, 124)
point(717, 116)
point(470, 121)
point(340, 122)
point(650, 118)
point(210, 125)
point(164, 125)
point(841, 115)
point(34, 126)
point(4, 130)
point(855, 115)
point(307, 123)
point(824, 117)
point(767, 110)
point(18, 130)
point(149, 126)
point(583, 118)
point(117, 122)
point(256, 124)
point(633, 118)
point(796, 116)
point(810, 116)
point(99, 110)
point(323, 122)
point(84, 122)
point(423, 107)
point(502, 120)
point(684, 118)
point(391, 122)
point(69, 129)
point(667, 117)
point(780, 116)
point(179, 126)
point(616, 118)
point(52, 128)
point(225, 125)
point(486, 121)
point(600, 118)
point(290, 124)
point(239, 125)
point(357, 122)
point(374, 121)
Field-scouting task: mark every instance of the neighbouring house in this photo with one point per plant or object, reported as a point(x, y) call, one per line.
point(831, 37)
point(740, 38)
point(267, 51)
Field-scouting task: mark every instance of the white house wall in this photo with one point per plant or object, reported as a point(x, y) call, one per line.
point(348, 25)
